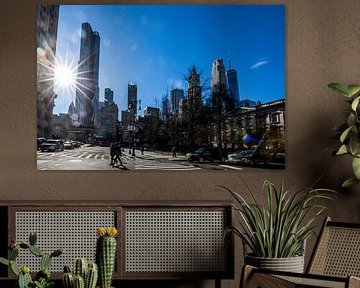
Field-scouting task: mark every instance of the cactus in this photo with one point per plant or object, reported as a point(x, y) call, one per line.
point(44, 273)
point(32, 239)
point(36, 251)
point(91, 276)
point(42, 278)
point(45, 261)
point(82, 270)
point(68, 278)
point(105, 254)
point(24, 245)
point(24, 277)
point(81, 266)
point(4, 261)
point(79, 282)
point(13, 252)
point(14, 267)
point(57, 253)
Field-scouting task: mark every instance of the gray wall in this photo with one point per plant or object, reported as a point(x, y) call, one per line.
point(322, 38)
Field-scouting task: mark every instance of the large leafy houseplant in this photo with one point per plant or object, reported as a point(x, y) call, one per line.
point(349, 131)
point(279, 229)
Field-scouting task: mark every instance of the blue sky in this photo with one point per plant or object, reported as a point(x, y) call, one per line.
point(156, 45)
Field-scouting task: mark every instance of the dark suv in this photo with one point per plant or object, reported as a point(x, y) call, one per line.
point(203, 154)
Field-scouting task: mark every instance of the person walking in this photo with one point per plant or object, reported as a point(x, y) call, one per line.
point(118, 154)
point(112, 153)
point(174, 151)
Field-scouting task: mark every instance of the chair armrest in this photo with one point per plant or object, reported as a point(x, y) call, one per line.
point(354, 282)
point(264, 278)
point(253, 278)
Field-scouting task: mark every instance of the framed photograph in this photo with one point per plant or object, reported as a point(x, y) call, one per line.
point(160, 87)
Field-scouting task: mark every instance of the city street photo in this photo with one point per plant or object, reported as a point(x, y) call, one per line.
point(161, 87)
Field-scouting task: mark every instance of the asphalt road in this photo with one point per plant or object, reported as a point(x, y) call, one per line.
point(98, 158)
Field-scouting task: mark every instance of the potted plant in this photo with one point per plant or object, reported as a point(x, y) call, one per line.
point(274, 235)
point(42, 278)
point(84, 274)
point(349, 131)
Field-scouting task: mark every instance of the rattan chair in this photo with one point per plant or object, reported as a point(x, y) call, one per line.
point(335, 262)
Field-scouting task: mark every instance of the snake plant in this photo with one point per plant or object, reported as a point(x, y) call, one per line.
point(279, 228)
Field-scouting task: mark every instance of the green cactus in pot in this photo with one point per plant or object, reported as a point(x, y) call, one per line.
point(85, 275)
point(42, 277)
point(106, 254)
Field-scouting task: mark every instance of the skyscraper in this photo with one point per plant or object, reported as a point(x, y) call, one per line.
point(175, 96)
point(165, 107)
point(194, 91)
point(87, 90)
point(47, 24)
point(132, 104)
point(218, 84)
point(233, 86)
point(109, 96)
point(132, 96)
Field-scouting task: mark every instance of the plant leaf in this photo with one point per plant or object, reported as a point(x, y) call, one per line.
point(356, 167)
point(349, 182)
point(354, 145)
point(351, 120)
point(4, 261)
point(345, 134)
point(342, 150)
point(355, 103)
point(353, 89)
point(340, 88)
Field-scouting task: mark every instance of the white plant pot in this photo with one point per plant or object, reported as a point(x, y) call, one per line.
point(291, 264)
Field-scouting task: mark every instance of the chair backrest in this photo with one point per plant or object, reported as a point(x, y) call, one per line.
point(337, 251)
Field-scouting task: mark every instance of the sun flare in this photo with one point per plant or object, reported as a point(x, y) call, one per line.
point(64, 76)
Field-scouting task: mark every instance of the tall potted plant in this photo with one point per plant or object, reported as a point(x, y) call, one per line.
point(349, 131)
point(274, 235)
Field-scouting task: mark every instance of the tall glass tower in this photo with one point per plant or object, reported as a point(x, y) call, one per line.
point(233, 85)
point(87, 90)
point(176, 95)
point(219, 87)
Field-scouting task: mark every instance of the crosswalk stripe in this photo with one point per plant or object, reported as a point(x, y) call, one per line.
point(232, 167)
point(172, 168)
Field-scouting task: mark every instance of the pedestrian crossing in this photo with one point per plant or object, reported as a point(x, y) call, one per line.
point(133, 163)
point(81, 155)
point(141, 164)
point(167, 168)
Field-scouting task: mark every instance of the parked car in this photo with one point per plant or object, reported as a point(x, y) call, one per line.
point(52, 145)
point(252, 157)
point(278, 157)
point(235, 157)
point(40, 140)
point(146, 147)
point(203, 154)
point(69, 145)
